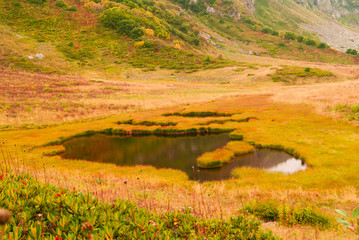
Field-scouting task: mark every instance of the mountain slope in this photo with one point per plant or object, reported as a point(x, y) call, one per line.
point(76, 35)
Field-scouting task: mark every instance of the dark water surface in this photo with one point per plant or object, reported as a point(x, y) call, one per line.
point(176, 153)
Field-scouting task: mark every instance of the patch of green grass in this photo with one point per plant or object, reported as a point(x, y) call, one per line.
point(291, 74)
point(350, 112)
point(227, 120)
point(148, 123)
point(198, 114)
point(290, 151)
point(287, 214)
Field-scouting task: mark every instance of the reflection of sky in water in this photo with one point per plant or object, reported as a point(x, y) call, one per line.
point(290, 166)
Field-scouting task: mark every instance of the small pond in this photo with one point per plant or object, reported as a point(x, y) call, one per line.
point(174, 152)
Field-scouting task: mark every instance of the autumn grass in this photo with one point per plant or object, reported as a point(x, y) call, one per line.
point(215, 159)
point(333, 99)
point(35, 99)
point(329, 148)
point(221, 156)
point(298, 75)
point(239, 148)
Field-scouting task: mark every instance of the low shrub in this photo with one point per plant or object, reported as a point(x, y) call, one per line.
point(322, 45)
point(300, 38)
point(352, 51)
point(266, 30)
point(61, 4)
point(310, 42)
point(43, 211)
point(287, 214)
point(37, 1)
point(73, 8)
point(289, 36)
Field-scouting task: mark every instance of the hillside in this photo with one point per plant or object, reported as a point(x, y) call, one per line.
point(85, 35)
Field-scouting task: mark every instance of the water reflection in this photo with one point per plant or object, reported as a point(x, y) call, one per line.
point(270, 160)
point(177, 153)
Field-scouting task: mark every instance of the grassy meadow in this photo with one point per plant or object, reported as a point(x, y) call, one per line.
point(327, 145)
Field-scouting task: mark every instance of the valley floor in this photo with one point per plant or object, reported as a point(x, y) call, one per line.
point(294, 116)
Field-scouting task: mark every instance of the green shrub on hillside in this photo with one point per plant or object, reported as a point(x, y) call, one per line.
point(300, 38)
point(275, 33)
point(73, 8)
point(289, 36)
point(352, 51)
point(266, 30)
point(37, 1)
point(61, 4)
point(310, 42)
point(112, 17)
point(322, 45)
point(130, 28)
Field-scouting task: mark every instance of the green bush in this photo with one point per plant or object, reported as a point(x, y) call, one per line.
point(310, 42)
point(196, 41)
point(289, 35)
point(352, 51)
point(266, 30)
point(322, 45)
point(43, 211)
point(125, 27)
point(73, 8)
point(300, 38)
point(37, 1)
point(137, 33)
point(275, 33)
point(61, 4)
point(112, 17)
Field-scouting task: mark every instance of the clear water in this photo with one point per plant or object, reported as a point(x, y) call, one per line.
point(176, 153)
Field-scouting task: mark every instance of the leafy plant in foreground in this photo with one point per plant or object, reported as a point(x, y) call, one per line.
point(44, 211)
point(350, 222)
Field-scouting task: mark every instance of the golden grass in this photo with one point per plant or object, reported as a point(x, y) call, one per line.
point(239, 147)
point(215, 159)
point(323, 96)
point(42, 99)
